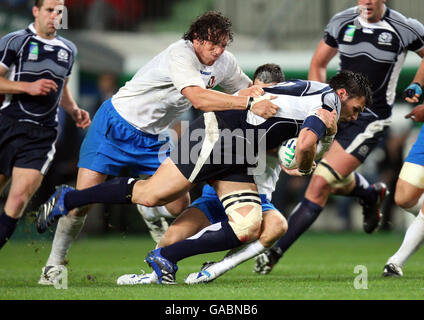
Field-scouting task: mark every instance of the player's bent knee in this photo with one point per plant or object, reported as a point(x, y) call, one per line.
point(275, 226)
point(244, 211)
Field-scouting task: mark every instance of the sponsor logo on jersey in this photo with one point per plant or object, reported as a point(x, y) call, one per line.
point(385, 39)
point(349, 33)
point(48, 47)
point(211, 83)
point(62, 55)
point(368, 30)
point(33, 51)
point(205, 73)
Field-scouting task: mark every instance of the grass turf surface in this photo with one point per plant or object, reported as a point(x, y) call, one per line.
point(319, 266)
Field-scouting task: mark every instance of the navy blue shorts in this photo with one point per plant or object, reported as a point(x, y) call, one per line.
point(25, 145)
point(361, 136)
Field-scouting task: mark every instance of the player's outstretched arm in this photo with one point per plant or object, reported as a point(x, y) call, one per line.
point(80, 116)
point(211, 100)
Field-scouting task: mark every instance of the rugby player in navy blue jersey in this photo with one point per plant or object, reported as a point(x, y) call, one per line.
point(35, 65)
point(217, 148)
point(371, 39)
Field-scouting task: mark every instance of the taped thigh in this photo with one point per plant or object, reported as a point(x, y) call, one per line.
point(413, 173)
point(333, 178)
point(242, 224)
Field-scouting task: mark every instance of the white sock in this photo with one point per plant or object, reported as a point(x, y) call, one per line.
point(67, 230)
point(233, 259)
point(416, 209)
point(154, 213)
point(414, 237)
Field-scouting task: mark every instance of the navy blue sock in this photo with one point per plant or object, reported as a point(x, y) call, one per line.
point(302, 217)
point(217, 237)
point(363, 190)
point(114, 191)
point(7, 227)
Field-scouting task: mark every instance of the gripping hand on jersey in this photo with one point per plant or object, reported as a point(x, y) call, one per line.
point(262, 106)
point(329, 119)
point(413, 92)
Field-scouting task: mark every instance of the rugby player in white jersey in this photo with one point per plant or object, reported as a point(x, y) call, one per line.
point(130, 129)
point(215, 157)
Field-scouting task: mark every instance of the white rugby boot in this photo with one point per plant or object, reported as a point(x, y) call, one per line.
point(133, 279)
point(51, 275)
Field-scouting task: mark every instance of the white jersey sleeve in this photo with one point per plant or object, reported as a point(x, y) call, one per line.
point(184, 69)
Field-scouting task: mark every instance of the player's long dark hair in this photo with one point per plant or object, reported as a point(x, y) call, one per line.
point(355, 84)
point(212, 26)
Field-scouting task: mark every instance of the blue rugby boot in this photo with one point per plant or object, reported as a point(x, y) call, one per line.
point(53, 209)
point(164, 268)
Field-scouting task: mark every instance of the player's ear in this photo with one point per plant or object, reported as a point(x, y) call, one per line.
point(342, 93)
point(35, 11)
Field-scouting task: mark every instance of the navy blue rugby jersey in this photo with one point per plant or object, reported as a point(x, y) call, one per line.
point(297, 100)
point(376, 50)
point(29, 57)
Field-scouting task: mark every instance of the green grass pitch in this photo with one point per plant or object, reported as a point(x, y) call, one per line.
point(319, 266)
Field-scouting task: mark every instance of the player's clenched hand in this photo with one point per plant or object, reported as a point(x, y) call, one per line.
point(253, 91)
point(329, 119)
point(81, 118)
point(417, 114)
point(413, 92)
point(41, 87)
point(296, 173)
point(262, 106)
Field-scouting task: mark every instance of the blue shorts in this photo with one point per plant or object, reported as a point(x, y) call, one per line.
point(416, 154)
point(112, 144)
point(211, 206)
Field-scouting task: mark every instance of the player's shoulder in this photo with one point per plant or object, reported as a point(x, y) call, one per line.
point(400, 20)
point(15, 39)
point(345, 15)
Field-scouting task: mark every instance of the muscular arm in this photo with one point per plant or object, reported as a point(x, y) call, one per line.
point(305, 149)
point(419, 75)
point(322, 56)
point(81, 117)
point(40, 87)
point(211, 100)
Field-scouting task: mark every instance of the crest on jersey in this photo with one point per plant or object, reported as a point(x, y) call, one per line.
point(363, 150)
point(33, 51)
point(211, 83)
point(349, 33)
point(62, 55)
point(385, 39)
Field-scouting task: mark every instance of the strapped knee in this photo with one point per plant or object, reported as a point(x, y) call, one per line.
point(245, 225)
point(333, 178)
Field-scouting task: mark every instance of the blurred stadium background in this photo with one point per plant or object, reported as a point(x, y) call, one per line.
point(116, 37)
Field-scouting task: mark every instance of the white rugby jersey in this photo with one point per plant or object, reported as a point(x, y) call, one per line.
point(152, 99)
point(267, 181)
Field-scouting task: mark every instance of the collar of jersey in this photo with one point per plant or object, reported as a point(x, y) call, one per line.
point(52, 42)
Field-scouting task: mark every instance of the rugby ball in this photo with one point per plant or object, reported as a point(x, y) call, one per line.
point(286, 153)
